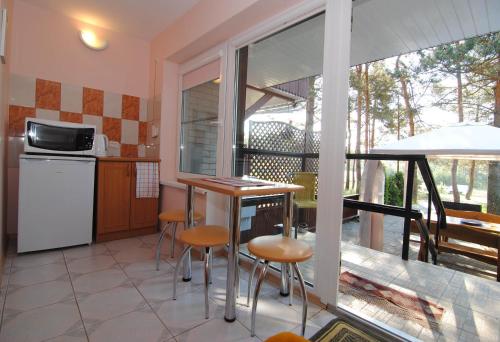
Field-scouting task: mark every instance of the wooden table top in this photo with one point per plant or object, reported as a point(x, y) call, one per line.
point(271, 189)
point(489, 227)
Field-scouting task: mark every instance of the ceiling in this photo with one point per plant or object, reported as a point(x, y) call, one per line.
point(381, 29)
point(140, 18)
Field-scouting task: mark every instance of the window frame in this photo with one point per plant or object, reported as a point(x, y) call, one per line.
point(210, 56)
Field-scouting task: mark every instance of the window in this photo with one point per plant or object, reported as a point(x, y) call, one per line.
point(199, 120)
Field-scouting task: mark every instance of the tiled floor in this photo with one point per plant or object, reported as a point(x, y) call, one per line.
point(472, 304)
point(111, 292)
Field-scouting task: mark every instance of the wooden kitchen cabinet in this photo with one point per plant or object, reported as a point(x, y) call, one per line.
point(119, 213)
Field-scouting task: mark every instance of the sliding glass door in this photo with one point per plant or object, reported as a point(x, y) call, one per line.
point(278, 127)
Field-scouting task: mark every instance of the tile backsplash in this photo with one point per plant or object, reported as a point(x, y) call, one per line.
point(123, 118)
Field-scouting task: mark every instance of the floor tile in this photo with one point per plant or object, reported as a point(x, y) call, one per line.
point(99, 281)
point(134, 254)
point(161, 288)
point(38, 274)
point(185, 313)
point(110, 303)
point(37, 259)
point(91, 264)
point(134, 326)
point(218, 330)
point(272, 317)
point(84, 251)
point(43, 323)
point(146, 269)
point(123, 244)
point(33, 296)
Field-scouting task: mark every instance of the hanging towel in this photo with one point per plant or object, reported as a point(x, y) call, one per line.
point(147, 180)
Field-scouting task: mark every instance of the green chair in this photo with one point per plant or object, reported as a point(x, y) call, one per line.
point(304, 199)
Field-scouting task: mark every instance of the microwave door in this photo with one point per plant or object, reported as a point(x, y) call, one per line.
point(57, 138)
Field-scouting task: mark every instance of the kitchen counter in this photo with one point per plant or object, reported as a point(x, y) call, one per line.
point(128, 159)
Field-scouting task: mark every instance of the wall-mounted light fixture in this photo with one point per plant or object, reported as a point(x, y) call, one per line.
point(92, 41)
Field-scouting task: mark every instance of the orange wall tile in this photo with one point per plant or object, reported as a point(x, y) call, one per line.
point(48, 94)
point(17, 116)
point(130, 151)
point(71, 117)
point(112, 128)
point(93, 101)
point(130, 107)
point(143, 132)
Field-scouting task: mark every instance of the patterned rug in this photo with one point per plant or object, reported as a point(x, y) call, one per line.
point(341, 331)
point(407, 306)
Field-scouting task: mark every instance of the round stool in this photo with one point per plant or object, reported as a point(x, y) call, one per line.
point(206, 237)
point(171, 218)
point(277, 248)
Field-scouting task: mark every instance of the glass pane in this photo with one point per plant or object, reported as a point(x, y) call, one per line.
point(199, 125)
point(279, 128)
point(386, 267)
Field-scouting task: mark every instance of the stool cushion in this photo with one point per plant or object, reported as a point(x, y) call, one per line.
point(286, 337)
point(177, 215)
point(278, 248)
point(205, 236)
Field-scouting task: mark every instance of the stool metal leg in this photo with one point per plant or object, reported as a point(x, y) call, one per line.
point(290, 297)
point(177, 267)
point(158, 245)
point(172, 243)
point(304, 297)
point(207, 271)
point(250, 279)
point(211, 264)
point(262, 276)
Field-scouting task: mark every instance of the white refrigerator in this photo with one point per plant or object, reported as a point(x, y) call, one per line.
point(56, 200)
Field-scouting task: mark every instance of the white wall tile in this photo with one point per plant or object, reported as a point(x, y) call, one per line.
point(22, 90)
point(47, 114)
point(93, 120)
point(143, 110)
point(141, 150)
point(130, 132)
point(112, 105)
point(15, 148)
point(71, 98)
point(114, 149)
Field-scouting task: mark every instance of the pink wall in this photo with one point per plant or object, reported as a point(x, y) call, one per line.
point(46, 45)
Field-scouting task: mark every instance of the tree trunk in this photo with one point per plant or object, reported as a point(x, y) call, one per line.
point(359, 103)
point(398, 127)
point(372, 138)
point(472, 171)
point(493, 206)
point(310, 117)
point(367, 108)
point(460, 109)
point(353, 185)
point(348, 161)
point(406, 98)
point(409, 114)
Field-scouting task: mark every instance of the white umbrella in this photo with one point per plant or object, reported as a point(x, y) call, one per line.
point(460, 141)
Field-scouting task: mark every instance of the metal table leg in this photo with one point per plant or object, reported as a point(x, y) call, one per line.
point(232, 260)
point(186, 266)
point(287, 223)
